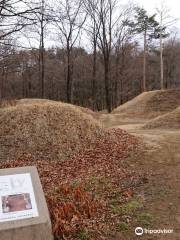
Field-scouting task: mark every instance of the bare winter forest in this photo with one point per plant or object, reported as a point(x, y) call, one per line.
point(90, 96)
point(93, 53)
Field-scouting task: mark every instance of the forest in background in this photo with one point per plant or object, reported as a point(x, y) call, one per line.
point(129, 52)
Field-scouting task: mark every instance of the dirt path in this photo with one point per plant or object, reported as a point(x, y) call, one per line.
point(160, 192)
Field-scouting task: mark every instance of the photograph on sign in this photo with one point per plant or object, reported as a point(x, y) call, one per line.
point(17, 199)
point(16, 202)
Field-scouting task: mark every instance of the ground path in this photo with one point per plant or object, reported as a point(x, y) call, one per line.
point(161, 158)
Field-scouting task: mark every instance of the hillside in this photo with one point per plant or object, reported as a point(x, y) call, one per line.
point(169, 120)
point(151, 104)
point(40, 126)
point(77, 160)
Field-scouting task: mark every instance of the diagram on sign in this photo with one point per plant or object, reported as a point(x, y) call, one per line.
point(17, 199)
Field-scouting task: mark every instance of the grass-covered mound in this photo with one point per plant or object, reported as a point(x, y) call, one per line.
point(48, 129)
point(151, 104)
point(169, 120)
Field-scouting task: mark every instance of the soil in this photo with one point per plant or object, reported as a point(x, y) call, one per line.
point(159, 161)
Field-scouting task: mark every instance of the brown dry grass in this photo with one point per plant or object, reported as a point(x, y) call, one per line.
point(7, 103)
point(46, 128)
point(151, 104)
point(14, 102)
point(169, 120)
point(79, 190)
point(43, 101)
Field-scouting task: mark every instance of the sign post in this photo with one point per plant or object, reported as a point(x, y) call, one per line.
point(23, 210)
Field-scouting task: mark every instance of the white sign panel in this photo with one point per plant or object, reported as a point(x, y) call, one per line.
point(17, 200)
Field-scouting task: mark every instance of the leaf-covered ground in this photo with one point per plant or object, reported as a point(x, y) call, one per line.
point(87, 194)
point(38, 126)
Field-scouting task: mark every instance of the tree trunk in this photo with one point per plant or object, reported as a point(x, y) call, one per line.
point(41, 52)
point(42, 65)
point(42, 71)
point(94, 76)
point(69, 75)
point(107, 89)
point(121, 83)
point(23, 83)
point(94, 66)
point(144, 63)
point(122, 74)
point(1, 84)
point(116, 79)
point(161, 62)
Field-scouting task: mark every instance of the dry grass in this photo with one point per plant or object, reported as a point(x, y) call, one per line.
point(80, 189)
point(88, 111)
point(14, 102)
point(7, 103)
point(169, 120)
point(151, 104)
point(45, 128)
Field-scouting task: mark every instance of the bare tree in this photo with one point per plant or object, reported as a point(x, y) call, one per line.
point(122, 37)
point(165, 21)
point(69, 19)
point(92, 29)
point(105, 13)
point(104, 16)
point(42, 21)
point(42, 17)
point(14, 16)
point(5, 51)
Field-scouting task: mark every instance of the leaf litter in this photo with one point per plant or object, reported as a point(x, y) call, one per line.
point(81, 186)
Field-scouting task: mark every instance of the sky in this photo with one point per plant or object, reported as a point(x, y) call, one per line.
point(150, 6)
